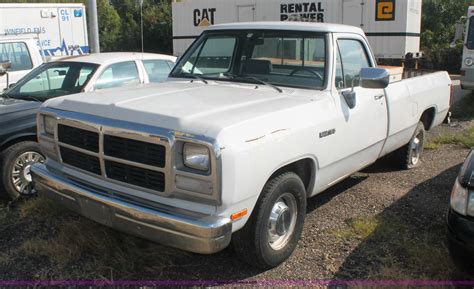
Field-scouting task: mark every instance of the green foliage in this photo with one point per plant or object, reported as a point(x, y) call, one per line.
point(156, 23)
point(438, 29)
point(109, 25)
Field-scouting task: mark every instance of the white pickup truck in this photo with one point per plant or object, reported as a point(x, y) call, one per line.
point(255, 119)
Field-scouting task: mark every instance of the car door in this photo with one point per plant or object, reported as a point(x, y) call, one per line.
point(363, 129)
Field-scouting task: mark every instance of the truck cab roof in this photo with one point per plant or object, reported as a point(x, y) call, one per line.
point(288, 25)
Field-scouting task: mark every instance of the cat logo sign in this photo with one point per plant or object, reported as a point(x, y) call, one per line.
point(385, 10)
point(204, 17)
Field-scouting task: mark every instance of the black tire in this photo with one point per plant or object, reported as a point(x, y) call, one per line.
point(252, 242)
point(9, 156)
point(461, 258)
point(404, 157)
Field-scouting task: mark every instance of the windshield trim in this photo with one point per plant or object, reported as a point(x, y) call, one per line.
point(175, 73)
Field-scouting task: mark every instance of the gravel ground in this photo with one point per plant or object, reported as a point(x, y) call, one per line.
point(378, 224)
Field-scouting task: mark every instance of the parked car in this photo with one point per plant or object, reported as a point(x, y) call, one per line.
point(461, 216)
point(257, 117)
point(23, 54)
point(20, 103)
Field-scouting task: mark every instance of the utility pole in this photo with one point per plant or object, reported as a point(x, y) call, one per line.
point(93, 26)
point(141, 22)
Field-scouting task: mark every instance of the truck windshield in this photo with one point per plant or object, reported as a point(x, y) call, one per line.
point(470, 34)
point(52, 80)
point(278, 58)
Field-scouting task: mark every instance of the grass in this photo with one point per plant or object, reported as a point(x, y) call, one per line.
point(399, 251)
point(464, 109)
point(360, 228)
point(465, 138)
point(76, 248)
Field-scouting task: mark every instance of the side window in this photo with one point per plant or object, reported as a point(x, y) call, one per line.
point(353, 58)
point(157, 70)
point(118, 74)
point(18, 54)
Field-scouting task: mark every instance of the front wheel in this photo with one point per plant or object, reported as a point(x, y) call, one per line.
point(16, 163)
point(274, 228)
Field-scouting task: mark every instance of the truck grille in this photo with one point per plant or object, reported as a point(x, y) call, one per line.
point(80, 138)
point(121, 159)
point(80, 160)
point(135, 151)
point(136, 176)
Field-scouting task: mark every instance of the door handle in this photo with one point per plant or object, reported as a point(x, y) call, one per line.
point(380, 96)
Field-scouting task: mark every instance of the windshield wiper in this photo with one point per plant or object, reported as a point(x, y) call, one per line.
point(195, 77)
point(233, 76)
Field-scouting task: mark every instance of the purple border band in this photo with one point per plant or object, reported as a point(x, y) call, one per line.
point(236, 282)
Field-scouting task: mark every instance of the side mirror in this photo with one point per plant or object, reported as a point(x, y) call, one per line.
point(376, 78)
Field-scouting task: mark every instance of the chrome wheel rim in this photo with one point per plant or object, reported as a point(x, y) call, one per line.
point(20, 173)
point(416, 147)
point(282, 221)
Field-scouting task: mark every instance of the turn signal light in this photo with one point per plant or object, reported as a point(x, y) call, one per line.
point(239, 215)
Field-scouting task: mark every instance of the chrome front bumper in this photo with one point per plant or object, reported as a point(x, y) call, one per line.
point(186, 230)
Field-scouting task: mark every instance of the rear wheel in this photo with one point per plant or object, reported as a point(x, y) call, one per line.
point(16, 163)
point(274, 228)
point(409, 156)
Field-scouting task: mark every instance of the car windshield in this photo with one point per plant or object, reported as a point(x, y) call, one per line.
point(277, 58)
point(52, 80)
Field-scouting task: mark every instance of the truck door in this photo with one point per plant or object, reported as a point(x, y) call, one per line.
point(72, 30)
point(363, 129)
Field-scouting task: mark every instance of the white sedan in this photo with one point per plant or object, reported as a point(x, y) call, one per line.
point(19, 104)
point(92, 72)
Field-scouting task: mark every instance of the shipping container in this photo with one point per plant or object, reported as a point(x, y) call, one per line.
point(59, 29)
point(392, 26)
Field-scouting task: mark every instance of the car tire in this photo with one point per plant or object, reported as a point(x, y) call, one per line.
point(409, 156)
point(460, 257)
point(274, 228)
point(16, 162)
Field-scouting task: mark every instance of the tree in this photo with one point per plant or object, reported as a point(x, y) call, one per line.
point(109, 26)
point(438, 29)
point(438, 19)
point(156, 22)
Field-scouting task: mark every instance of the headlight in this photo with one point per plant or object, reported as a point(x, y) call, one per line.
point(468, 61)
point(459, 199)
point(196, 156)
point(49, 124)
point(470, 204)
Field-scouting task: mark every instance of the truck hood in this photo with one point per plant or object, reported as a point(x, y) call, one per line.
point(10, 105)
point(191, 107)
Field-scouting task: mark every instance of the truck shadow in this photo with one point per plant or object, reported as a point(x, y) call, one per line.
point(409, 238)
